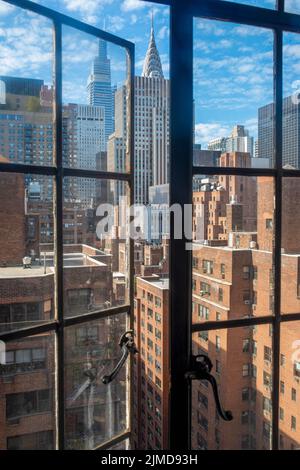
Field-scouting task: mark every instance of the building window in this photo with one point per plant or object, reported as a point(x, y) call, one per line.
point(220, 294)
point(246, 345)
point(267, 379)
point(79, 299)
point(207, 266)
point(203, 312)
point(246, 272)
point(202, 399)
point(218, 343)
point(203, 335)
point(269, 224)
point(293, 423)
point(282, 387)
point(281, 414)
point(223, 270)
point(42, 440)
point(27, 403)
point(294, 394)
point(267, 405)
point(267, 354)
point(297, 369)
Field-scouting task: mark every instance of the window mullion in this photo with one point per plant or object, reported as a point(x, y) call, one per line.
point(278, 53)
point(58, 223)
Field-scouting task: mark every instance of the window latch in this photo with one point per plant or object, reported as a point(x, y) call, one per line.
point(202, 367)
point(127, 346)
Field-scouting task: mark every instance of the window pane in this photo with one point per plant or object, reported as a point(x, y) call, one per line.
point(257, 3)
point(233, 229)
point(95, 98)
point(233, 86)
point(26, 231)
point(96, 246)
point(291, 107)
point(242, 387)
point(289, 424)
point(151, 365)
point(26, 88)
point(27, 391)
point(290, 264)
point(94, 412)
point(292, 6)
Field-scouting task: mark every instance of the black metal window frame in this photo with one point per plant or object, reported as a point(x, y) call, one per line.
point(58, 172)
point(182, 172)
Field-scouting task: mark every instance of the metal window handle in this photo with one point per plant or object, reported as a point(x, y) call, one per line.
point(127, 346)
point(202, 367)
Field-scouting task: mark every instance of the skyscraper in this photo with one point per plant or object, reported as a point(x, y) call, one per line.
point(100, 91)
point(290, 132)
point(152, 104)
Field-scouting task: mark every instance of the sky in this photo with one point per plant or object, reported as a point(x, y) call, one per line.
point(233, 64)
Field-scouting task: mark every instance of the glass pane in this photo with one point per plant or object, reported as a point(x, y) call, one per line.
point(233, 232)
point(26, 270)
point(95, 98)
point(289, 413)
point(26, 88)
point(27, 391)
point(290, 246)
point(292, 6)
point(242, 366)
point(291, 108)
point(96, 245)
point(94, 412)
point(233, 82)
point(257, 3)
point(151, 365)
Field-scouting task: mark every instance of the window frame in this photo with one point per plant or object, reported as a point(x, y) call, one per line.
point(182, 173)
point(58, 172)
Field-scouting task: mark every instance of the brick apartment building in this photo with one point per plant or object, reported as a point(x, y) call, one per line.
point(232, 278)
point(27, 297)
point(151, 366)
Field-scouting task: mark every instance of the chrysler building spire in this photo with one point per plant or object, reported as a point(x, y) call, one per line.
point(152, 65)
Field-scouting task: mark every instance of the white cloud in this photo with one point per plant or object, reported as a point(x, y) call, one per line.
point(129, 5)
point(115, 23)
point(163, 32)
point(292, 6)
point(5, 8)
point(206, 132)
point(133, 19)
point(86, 7)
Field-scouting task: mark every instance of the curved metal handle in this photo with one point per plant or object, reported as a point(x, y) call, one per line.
point(225, 414)
point(127, 346)
point(202, 367)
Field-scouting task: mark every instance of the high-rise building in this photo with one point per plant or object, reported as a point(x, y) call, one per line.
point(90, 128)
point(290, 132)
point(100, 91)
point(152, 103)
point(22, 86)
point(240, 141)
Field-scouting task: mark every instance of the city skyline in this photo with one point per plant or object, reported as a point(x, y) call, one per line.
point(132, 19)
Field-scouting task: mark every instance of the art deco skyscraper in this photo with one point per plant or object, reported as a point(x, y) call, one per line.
point(100, 91)
point(152, 103)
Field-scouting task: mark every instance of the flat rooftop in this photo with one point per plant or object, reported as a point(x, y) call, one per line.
point(160, 283)
point(19, 272)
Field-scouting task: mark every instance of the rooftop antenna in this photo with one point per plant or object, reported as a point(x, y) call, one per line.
point(152, 20)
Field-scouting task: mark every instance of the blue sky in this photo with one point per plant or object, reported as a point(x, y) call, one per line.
point(233, 74)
